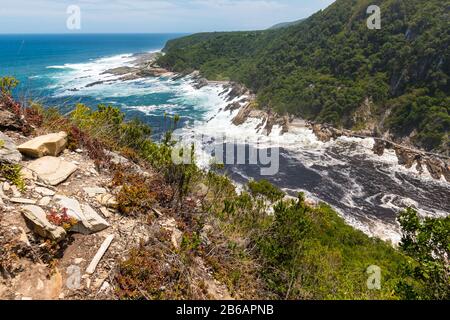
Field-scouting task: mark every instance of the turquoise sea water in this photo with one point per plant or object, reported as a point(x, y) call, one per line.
point(59, 69)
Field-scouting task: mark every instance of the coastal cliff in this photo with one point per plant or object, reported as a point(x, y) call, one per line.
point(99, 214)
point(340, 73)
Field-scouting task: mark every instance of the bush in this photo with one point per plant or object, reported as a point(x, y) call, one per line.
point(12, 173)
point(152, 272)
point(426, 275)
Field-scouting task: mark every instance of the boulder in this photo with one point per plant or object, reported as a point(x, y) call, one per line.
point(406, 157)
point(8, 150)
point(89, 221)
point(40, 224)
point(52, 170)
point(49, 145)
point(436, 168)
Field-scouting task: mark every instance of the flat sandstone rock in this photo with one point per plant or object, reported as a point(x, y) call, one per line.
point(49, 145)
point(89, 220)
point(52, 170)
point(37, 217)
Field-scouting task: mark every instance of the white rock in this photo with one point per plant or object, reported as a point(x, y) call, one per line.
point(6, 186)
point(41, 225)
point(52, 170)
point(16, 192)
point(27, 174)
point(106, 287)
point(8, 150)
point(92, 192)
point(89, 220)
point(170, 225)
point(45, 201)
point(107, 200)
point(40, 285)
point(23, 201)
point(44, 191)
point(48, 145)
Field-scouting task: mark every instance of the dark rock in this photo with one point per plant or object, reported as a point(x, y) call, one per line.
point(13, 122)
point(237, 90)
point(200, 83)
point(407, 157)
point(380, 146)
point(233, 106)
point(94, 84)
point(326, 133)
point(178, 77)
point(436, 167)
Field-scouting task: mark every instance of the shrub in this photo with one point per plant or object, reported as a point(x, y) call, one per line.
point(153, 272)
point(265, 189)
point(426, 275)
point(7, 84)
point(12, 173)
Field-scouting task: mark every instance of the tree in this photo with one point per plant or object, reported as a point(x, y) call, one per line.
point(427, 243)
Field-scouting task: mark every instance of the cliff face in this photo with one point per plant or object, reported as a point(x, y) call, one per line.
point(331, 69)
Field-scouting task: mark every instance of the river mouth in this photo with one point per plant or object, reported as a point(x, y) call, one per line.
point(367, 190)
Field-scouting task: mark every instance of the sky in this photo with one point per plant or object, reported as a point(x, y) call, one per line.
point(151, 16)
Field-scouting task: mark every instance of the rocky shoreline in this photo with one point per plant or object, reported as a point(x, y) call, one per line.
point(242, 99)
point(437, 165)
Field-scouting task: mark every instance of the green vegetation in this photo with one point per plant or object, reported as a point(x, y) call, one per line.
point(13, 174)
point(325, 67)
point(427, 243)
point(286, 24)
point(2, 143)
point(306, 252)
point(7, 84)
point(259, 243)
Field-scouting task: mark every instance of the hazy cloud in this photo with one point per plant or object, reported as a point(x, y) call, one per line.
point(153, 15)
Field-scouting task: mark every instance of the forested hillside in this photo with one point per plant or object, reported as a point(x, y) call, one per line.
point(331, 67)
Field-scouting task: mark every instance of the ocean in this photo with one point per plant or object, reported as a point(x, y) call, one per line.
point(55, 70)
point(367, 190)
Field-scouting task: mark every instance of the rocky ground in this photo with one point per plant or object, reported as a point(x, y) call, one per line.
point(61, 234)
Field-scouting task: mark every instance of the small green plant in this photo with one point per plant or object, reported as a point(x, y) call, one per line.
point(12, 173)
point(136, 196)
point(2, 144)
point(7, 84)
point(265, 189)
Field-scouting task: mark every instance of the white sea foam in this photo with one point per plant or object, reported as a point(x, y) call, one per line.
point(211, 120)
